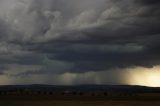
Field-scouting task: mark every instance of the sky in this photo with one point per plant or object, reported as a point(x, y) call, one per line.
point(68, 42)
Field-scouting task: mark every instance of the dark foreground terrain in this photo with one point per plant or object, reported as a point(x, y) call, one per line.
point(80, 103)
point(84, 95)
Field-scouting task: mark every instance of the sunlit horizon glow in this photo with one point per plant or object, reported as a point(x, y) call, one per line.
point(144, 76)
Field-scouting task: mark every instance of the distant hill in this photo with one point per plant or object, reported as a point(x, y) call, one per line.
point(85, 88)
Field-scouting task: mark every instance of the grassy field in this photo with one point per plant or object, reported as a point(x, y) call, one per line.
point(79, 103)
point(70, 100)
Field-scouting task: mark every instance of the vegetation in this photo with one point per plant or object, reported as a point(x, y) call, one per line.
point(49, 97)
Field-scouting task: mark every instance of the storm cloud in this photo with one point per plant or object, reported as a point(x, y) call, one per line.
point(78, 36)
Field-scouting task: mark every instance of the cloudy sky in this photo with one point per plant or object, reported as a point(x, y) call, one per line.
point(80, 42)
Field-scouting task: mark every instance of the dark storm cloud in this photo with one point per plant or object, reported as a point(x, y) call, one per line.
point(79, 36)
point(1, 73)
point(3, 30)
point(148, 2)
